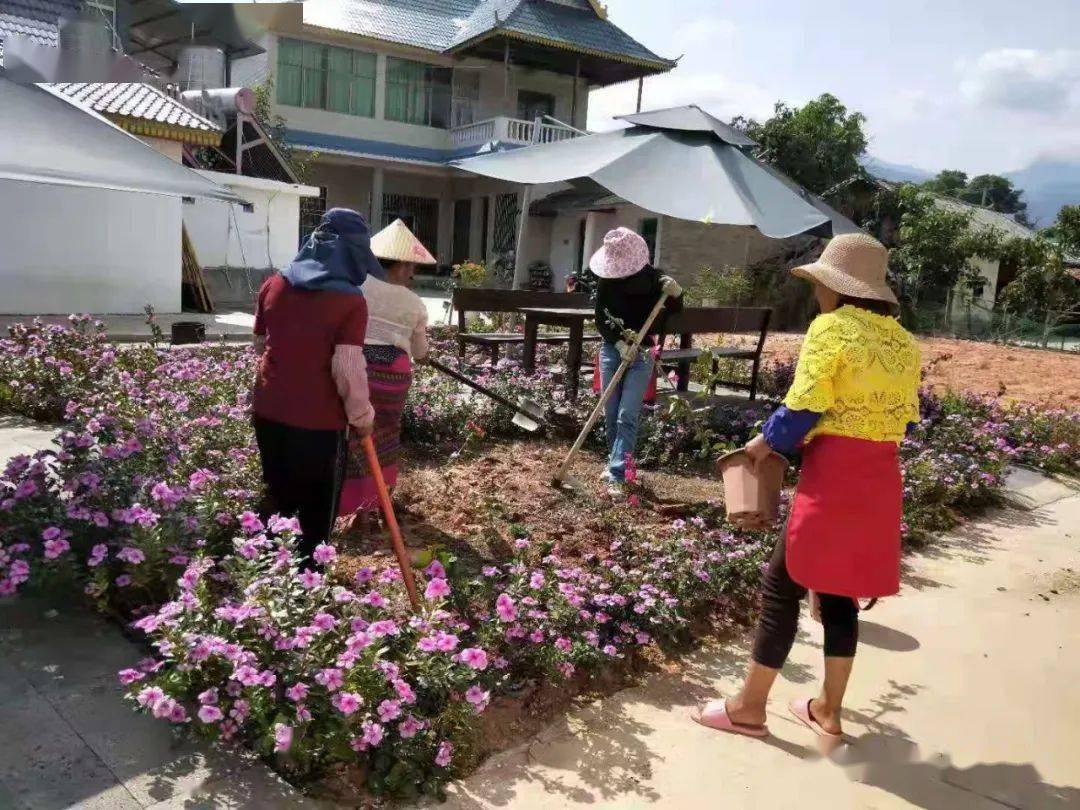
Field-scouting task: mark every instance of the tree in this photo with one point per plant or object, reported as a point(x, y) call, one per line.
point(817, 145)
point(949, 182)
point(1065, 232)
point(274, 126)
point(995, 192)
point(935, 248)
point(1044, 290)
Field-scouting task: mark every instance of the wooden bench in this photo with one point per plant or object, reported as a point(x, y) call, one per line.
point(715, 321)
point(485, 299)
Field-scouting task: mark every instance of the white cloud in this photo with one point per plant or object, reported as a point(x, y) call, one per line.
point(706, 31)
point(1024, 80)
point(713, 92)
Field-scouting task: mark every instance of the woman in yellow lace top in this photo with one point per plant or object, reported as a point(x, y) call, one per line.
point(855, 393)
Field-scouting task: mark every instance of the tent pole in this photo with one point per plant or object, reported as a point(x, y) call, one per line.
point(519, 252)
point(640, 87)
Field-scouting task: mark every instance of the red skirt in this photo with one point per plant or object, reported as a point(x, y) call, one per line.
point(843, 536)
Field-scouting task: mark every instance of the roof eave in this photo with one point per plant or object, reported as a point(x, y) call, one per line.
point(651, 66)
point(165, 131)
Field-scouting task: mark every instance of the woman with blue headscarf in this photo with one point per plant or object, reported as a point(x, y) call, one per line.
point(311, 386)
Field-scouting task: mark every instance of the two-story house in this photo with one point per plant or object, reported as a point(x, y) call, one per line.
point(383, 94)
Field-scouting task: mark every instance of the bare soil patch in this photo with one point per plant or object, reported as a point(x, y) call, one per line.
point(1035, 376)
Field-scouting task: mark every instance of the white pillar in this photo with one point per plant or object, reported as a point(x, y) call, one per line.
point(377, 178)
point(597, 224)
point(380, 86)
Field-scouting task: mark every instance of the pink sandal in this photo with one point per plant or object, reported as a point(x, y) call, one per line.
point(800, 707)
point(714, 715)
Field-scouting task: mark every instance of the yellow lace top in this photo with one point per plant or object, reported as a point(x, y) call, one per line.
point(861, 371)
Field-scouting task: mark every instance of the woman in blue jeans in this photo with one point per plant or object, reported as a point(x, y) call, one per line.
point(626, 293)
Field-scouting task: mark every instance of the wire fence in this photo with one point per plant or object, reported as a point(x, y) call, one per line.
point(974, 321)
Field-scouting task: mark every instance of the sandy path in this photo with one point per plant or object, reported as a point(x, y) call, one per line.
point(964, 696)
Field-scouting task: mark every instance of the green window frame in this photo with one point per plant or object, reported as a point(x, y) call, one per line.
point(325, 77)
point(418, 93)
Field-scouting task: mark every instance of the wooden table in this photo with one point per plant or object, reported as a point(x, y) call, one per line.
point(574, 320)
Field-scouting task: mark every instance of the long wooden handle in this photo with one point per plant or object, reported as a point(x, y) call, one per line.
point(611, 386)
point(461, 378)
point(404, 563)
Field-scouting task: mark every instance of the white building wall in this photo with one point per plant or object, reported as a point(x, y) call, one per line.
point(115, 253)
point(267, 236)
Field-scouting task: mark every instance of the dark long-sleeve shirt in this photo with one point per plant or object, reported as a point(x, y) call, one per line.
point(630, 300)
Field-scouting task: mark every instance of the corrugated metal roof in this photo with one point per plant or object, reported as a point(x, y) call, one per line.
point(986, 218)
point(133, 100)
point(447, 25)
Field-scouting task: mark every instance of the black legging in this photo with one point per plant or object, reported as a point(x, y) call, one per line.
point(780, 599)
point(303, 474)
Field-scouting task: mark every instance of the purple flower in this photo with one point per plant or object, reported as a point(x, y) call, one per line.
point(130, 555)
point(331, 678)
point(389, 710)
point(347, 702)
point(130, 676)
point(210, 714)
point(250, 523)
point(55, 547)
point(324, 622)
point(310, 579)
point(435, 570)
point(297, 692)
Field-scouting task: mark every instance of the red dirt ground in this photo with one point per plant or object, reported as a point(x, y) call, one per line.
point(1025, 375)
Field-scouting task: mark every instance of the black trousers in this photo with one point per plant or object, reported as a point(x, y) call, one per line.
point(780, 600)
point(303, 470)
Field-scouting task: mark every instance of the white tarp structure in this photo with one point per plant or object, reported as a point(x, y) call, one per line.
point(90, 216)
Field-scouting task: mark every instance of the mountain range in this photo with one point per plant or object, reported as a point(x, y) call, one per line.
point(1047, 184)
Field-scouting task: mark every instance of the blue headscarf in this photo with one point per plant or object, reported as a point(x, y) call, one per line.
point(337, 256)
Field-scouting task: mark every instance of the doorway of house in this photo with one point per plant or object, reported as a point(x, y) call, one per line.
point(532, 105)
point(311, 213)
point(462, 230)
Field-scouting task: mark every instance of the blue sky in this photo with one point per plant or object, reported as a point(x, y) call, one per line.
point(979, 85)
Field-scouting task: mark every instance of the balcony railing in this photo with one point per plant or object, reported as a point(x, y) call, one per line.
point(511, 130)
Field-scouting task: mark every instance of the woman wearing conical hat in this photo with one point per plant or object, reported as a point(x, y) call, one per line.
point(396, 336)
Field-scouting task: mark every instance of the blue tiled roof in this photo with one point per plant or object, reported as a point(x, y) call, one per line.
point(448, 25)
point(37, 19)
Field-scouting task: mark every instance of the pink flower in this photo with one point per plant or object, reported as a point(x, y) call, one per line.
point(504, 607)
point(209, 697)
point(163, 708)
point(130, 555)
point(445, 754)
point(364, 576)
point(436, 589)
point(477, 697)
point(178, 714)
point(55, 547)
point(409, 727)
point(347, 702)
point(284, 525)
point(445, 642)
point(123, 581)
point(283, 735)
point(324, 554)
point(297, 692)
point(389, 710)
point(97, 555)
point(331, 678)
point(130, 676)
point(51, 533)
point(149, 695)
point(563, 644)
point(474, 657)
point(435, 570)
point(324, 622)
point(310, 579)
point(404, 690)
point(210, 714)
point(374, 599)
point(250, 523)
point(536, 581)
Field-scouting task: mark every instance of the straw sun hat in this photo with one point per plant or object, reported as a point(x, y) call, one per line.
point(852, 264)
point(396, 243)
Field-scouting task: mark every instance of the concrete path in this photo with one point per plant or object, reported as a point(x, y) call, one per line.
point(965, 695)
point(67, 739)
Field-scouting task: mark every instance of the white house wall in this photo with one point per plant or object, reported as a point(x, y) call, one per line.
point(70, 249)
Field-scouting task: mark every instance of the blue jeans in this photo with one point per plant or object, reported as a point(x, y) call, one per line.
point(623, 411)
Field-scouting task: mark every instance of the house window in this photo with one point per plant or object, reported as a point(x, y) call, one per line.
point(420, 215)
point(532, 105)
point(418, 93)
point(464, 110)
point(311, 213)
point(648, 233)
point(324, 77)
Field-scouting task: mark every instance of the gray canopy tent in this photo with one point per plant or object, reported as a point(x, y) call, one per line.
point(679, 162)
point(50, 139)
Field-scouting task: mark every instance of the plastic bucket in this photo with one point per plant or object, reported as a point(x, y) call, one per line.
point(188, 332)
point(752, 497)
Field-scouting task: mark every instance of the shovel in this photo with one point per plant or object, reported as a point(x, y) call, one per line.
point(391, 521)
point(528, 415)
point(628, 357)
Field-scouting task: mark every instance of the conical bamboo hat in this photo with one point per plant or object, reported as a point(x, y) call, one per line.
point(396, 243)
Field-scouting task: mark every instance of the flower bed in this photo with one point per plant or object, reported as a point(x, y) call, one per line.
point(148, 503)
